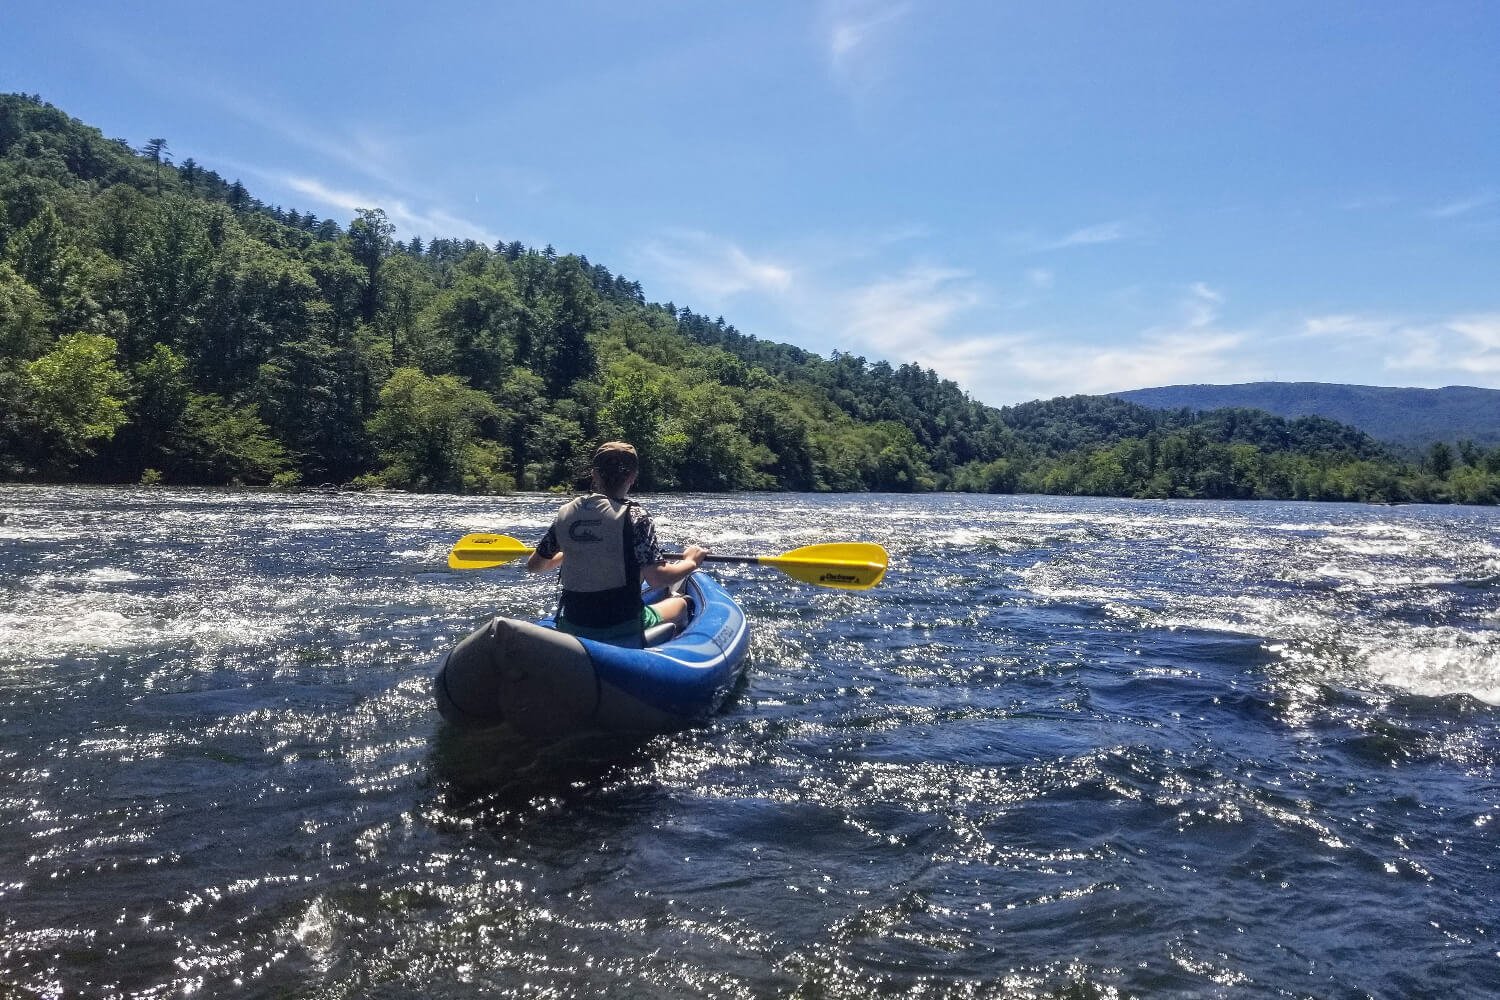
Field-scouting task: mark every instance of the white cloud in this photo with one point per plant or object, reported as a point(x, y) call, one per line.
point(1097, 234)
point(1345, 327)
point(953, 321)
point(1443, 349)
point(358, 152)
point(1015, 367)
point(704, 267)
point(1479, 350)
point(852, 27)
point(1483, 331)
point(1202, 306)
point(899, 317)
point(362, 153)
point(1148, 359)
point(407, 220)
point(1104, 232)
point(919, 317)
point(1464, 206)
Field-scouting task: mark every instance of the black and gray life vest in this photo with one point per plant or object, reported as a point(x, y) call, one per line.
point(601, 578)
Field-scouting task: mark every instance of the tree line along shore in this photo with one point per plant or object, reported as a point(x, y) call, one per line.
point(160, 324)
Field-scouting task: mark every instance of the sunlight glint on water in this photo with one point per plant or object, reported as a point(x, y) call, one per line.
point(1070, 748)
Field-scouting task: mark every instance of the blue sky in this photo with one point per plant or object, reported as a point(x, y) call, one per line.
point(1034, 199)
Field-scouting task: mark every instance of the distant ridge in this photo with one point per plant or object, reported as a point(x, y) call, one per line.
point(1405, 416)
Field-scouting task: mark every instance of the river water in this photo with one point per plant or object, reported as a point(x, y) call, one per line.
point(1070, 748)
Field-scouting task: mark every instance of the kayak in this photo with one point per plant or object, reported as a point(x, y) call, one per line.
point(545, 683)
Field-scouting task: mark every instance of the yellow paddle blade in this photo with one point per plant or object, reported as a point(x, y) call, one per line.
point(485, 551)
point(843, 565)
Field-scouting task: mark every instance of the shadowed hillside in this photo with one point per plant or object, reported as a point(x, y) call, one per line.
point(1414, 417)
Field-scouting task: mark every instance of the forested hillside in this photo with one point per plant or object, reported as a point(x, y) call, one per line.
point(1413, 417)
point(158, 323)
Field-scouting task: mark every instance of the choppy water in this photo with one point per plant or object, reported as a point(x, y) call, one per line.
point(1070, 748)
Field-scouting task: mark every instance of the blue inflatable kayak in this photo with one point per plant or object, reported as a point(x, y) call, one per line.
point(546, 683)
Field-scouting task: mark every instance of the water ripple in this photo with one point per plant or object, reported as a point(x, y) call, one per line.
point(1069, 749)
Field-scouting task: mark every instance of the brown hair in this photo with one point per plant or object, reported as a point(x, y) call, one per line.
point(614, 463)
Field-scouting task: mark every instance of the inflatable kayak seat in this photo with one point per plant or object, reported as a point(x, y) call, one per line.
point(658, 634)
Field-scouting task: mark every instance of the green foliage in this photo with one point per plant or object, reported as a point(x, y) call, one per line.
point(220, 442)
point(70, 399)
point(23, 318)
point(427, 432)
point(258, 345)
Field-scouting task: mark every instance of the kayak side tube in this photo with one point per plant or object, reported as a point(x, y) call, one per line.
point(545, 683)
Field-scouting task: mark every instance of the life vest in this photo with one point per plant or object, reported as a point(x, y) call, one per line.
point(601, 579)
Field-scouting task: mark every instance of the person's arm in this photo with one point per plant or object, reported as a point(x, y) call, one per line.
point(547, 555)
point(656, 570)
point(537, 564)
point(667, 573)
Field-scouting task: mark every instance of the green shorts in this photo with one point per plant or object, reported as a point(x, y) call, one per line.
point(612, 633)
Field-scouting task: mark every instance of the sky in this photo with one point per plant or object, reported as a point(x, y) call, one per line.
point(1031, 198)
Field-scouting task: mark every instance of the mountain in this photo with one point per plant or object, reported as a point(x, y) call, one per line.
point(160, 324)
point(1414, 417)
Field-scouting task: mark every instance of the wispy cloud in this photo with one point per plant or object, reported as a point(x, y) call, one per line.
point(1477, 350)
point(1344, 326)
point(1096, 234)
point(1108, 232)
point(852, 27)
point(937, 316)
point(928, 315)
point(1436, 350)
point(904, 315)
point(1050, 368)
point(1464, 206)
point(711, 269)
point(1201, 307)
point(1482, 331)
point(406, 219)
point(963, 324)
point(363, 154)
point(1014, 367)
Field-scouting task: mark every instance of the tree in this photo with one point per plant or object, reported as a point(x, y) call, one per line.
point(45, 255)
point(23, 317)
point(217, 441)
point(521, 404)
point(1440, 459)
point(633, 408)
point(162, 391)
point(474, 327)
point(166, 276)
point(404, 291)
point(75, 395)
point(370, 243)
point(156, 149)
point(570, 355)
point(427, 431)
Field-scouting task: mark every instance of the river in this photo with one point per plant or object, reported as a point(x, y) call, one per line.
point(1070, 748)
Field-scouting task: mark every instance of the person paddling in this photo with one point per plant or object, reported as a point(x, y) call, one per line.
point(606, 545)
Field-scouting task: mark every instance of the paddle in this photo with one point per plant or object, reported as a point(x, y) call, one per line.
point(842, 565)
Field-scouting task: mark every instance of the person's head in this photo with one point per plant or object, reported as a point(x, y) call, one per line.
point(615, 466)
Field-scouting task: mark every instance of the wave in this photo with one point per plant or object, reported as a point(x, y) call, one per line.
point(1441, 662)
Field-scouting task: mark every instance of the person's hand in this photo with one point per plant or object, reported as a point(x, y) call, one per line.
point(695, 553)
